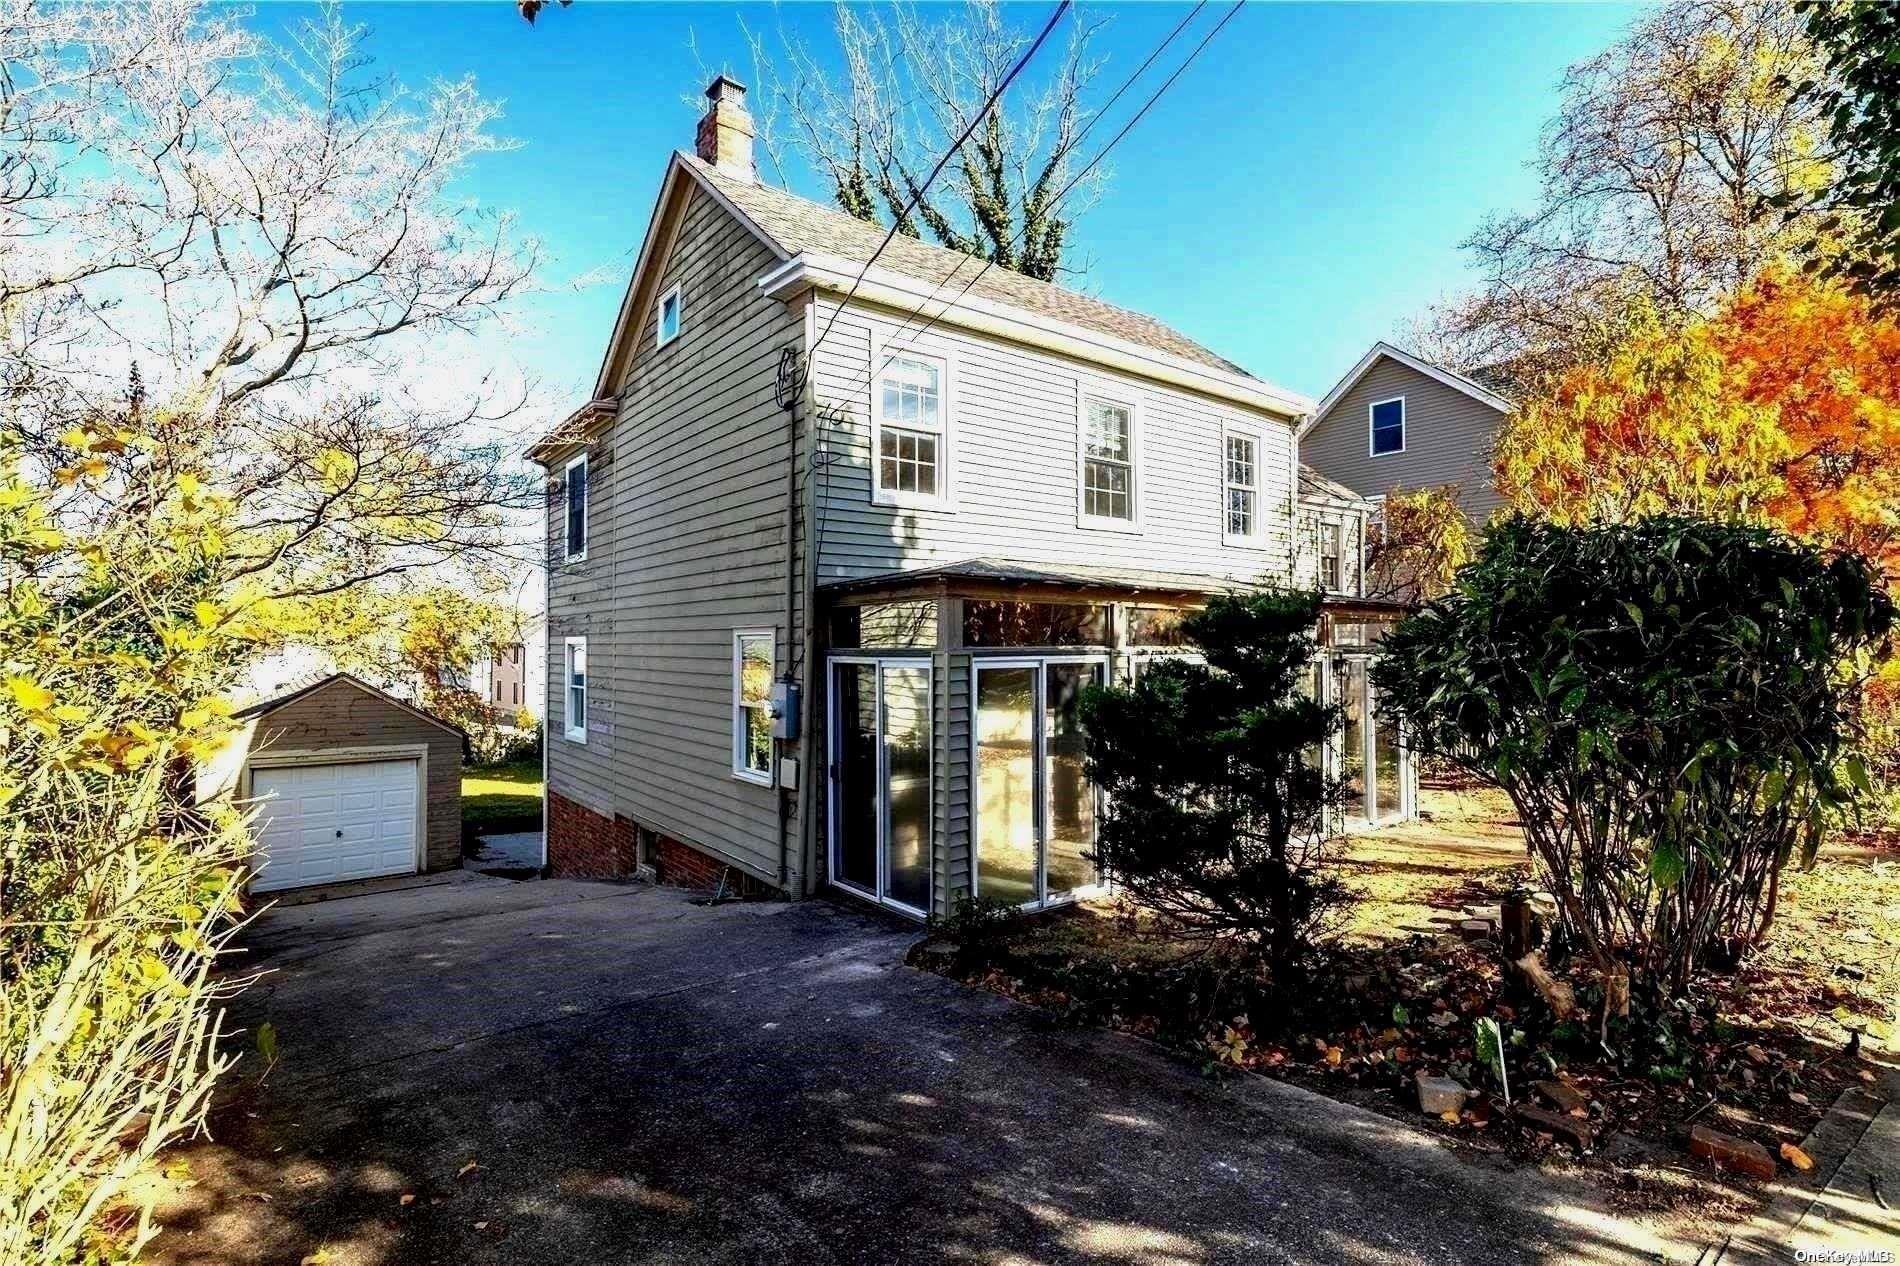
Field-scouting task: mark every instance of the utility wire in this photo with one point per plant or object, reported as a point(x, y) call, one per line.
point(917, 194)
point(1055, 202)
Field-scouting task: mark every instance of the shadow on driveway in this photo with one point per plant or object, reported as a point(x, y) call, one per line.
point(639, 1079)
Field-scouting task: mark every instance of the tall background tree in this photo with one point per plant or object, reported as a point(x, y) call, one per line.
point(221, 255)
point(915, 78)
point(1859, 96)
point(1659, 175)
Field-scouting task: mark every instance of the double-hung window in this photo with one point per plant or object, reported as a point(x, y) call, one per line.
point(575, 481)
point(752, 705)
point(1388, 426)
point(1331, 555)
point(911, 418)
point(1108, 462)
point(575, 723)
point(1240, 485)
point(667, 327)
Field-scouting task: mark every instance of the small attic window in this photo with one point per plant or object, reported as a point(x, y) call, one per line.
point(668, 327)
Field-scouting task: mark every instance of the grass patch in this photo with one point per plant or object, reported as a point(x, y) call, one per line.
point(501, 798)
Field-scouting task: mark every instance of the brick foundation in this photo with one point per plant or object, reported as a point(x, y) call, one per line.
point(583, 844)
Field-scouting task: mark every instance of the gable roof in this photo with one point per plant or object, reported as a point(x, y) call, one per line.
point(1385, 351)
point(800, 226)
point(267, 706)
point(794, 228)
point(1317, 487)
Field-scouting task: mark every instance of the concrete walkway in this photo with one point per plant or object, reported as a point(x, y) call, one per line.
point(560, 1072)
point(516, 850)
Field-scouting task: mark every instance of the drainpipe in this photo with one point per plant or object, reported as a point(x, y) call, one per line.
point(786, 393)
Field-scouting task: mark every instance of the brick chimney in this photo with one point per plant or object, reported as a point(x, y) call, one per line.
point(725, 130)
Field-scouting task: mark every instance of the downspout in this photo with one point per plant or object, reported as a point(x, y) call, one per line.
point(814, 766)
point(786, 392)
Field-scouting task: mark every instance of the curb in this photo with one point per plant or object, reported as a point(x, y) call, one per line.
point(1798, 1206)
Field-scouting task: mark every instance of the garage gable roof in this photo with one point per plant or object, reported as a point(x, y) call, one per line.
point(268, 706)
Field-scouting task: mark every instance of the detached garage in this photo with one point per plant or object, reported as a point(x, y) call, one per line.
point(348, 782)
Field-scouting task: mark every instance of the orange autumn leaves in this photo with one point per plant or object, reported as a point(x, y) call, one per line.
point(1783, 406)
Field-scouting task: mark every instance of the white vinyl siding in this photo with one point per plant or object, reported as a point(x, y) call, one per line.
point(752, 705)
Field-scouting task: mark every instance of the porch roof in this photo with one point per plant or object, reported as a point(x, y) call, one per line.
point(990, 572)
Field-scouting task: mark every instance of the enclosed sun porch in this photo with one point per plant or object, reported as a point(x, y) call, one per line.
point(954, 756)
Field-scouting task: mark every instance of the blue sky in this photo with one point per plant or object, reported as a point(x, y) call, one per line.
point(1300, 192)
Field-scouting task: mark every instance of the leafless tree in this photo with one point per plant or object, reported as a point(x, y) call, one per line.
point(266, 236)
point(1658, 174)
point(913, 83)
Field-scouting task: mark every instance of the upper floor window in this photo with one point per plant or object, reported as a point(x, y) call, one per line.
point(575, 723)
point(1388, 426)
point(1241, 484)
point(910, 424)
point(576, 481)
point(1108, 462)
point(668, 327)
point(1332, 567)
point(752, 705)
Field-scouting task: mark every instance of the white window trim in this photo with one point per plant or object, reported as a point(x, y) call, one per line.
point(740, 708)
point(568, 552)
point(569, 731)
point(660, 338)
point(1257, 538)
point(1404, 427)
point(1086, 391)
point(946, 361)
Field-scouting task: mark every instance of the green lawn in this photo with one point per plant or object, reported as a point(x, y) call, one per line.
point(502, 798)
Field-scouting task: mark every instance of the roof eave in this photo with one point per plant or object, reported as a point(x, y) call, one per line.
point(1382, 349)
point(938, 304)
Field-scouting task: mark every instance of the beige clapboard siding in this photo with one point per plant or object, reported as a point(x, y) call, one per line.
point(1448, 438)
point(695, 541)
point(343, 716)
point(1015, 465)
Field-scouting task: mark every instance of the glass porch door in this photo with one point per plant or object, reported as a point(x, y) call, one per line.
point(880, 780)
point(1367, 747)
point(1035, 810)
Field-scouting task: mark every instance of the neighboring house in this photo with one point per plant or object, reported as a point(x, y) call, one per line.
point(502, 681)
point(835, 549)
point(1396, 421)
point(349, 783)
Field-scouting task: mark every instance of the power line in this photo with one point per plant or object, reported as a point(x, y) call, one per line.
point(919, 191)
point(876, 369)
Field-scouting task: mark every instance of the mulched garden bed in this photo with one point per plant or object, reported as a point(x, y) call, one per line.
point(1758, 1055)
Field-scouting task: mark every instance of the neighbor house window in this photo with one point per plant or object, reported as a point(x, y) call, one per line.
point(668, 327)
point(752, 705)
point(911, 424)
point(1241, 486)
point(1108, 461)
point(576, 721)
point(1388, 426)
point(576, 484)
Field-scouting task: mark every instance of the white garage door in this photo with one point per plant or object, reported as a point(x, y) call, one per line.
point(320, 824)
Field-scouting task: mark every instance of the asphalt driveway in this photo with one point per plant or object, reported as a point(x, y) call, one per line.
point(636, 1078)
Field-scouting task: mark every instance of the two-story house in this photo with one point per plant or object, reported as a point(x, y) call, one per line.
point(1396, 421)
point(844, 534)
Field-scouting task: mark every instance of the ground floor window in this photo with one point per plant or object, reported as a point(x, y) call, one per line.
point(752, 705)
point(1035, 814)
point(576, 721)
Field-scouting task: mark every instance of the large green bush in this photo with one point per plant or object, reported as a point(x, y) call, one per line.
point(1669, 704)
point(1215, 815)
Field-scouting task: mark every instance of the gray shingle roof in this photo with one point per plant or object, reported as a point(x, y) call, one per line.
point(799, 225)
